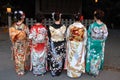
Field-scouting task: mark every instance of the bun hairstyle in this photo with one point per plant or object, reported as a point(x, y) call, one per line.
point(18, 15)
point(39, 17)
point(56, 16)
point(77, 16)
point(99, 14)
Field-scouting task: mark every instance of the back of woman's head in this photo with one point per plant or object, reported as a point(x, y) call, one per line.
point(39, 17)
point(18, 15)
point(77, 16)
point(56, 16)
point(99, 14)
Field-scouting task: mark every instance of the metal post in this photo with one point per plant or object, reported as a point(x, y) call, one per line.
point(9, 20)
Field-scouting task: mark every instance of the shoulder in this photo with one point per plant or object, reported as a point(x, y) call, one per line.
point(25, 25)
point(70, 26)
point(51, 27)
point(104, 25)
point(92, 25)
point(12, 28)
point(63, 26)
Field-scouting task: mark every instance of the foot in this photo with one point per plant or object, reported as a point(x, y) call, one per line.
point(21, 73)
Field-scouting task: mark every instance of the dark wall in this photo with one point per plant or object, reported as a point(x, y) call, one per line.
point(28, 6)
point(64, 6)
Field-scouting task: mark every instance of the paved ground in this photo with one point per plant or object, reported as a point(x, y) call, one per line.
point(111, 70)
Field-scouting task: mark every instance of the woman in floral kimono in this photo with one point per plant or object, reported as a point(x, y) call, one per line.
point(38, 37)
point(19, 36)
point(76, 50)
point(57, 51)
point(97, 34)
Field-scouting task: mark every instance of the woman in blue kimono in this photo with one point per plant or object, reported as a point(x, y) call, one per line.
point(57, 51)
point(97, 35)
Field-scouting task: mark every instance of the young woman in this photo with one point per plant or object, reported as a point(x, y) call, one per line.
point(38, 36)
point(19, 36)
point(97, 35)
point(76, 48)
point(57, 51)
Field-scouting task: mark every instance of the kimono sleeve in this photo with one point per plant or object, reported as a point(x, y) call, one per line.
point(32, 33)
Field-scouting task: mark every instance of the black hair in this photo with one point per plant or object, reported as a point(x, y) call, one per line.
point(99, 14)
point(39, 17)
point(77, 16)
point(18, 15)
point(57, 16)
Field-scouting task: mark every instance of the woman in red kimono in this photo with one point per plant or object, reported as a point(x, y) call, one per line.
point(38, 37)
point(19, 37)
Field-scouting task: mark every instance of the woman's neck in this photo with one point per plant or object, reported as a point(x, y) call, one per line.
point(57, 22)
point(77, 21)
point(99, 21)
point(38, 23)
point(19, 23)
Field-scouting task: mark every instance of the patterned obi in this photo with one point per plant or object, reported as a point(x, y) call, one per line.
point(57, 34)
point(97, 33)
point(76, 34)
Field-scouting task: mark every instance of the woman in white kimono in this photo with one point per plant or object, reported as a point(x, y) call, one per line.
point(76, 50)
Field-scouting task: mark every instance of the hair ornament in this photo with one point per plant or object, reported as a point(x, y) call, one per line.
point(53, 14)
point(21, 13)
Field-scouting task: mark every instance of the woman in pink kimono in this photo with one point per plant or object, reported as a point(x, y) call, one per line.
point(19, 36)
point(38, 37)
point(76, 42)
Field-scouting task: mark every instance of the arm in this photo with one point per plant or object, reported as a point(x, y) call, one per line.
point(105, 32)
point(85, 36)
point(89, 31)
point(32, 33)
point(13, 34)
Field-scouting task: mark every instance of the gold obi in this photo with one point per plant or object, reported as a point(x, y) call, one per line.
point(57, 34)
point(17, 34)
point(76, 34)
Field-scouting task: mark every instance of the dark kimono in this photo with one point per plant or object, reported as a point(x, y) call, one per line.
point(56, 55)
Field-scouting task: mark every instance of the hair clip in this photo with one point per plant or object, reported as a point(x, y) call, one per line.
point(15, 12)
point(21, 12)
point(53, 15)
point(60, 15)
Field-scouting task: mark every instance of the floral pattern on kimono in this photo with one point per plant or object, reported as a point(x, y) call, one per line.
point(57, 47)
point(97, 35)
point(38, 36)
point(20, 45)
point(76, 42)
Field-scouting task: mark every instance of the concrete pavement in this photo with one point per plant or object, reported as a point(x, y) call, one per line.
point(110, 72)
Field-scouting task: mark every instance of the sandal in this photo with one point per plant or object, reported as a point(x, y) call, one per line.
point(21, 73)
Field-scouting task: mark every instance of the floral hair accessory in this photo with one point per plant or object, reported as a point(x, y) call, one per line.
point(21, 13)
point(53, 15)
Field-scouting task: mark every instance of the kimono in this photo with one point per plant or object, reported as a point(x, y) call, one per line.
point(97, 34)
point(76, 50)
point(20, 47)
point(57, 46)
point(38, 37)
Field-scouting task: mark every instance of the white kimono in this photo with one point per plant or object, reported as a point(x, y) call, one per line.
point(76, 49)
